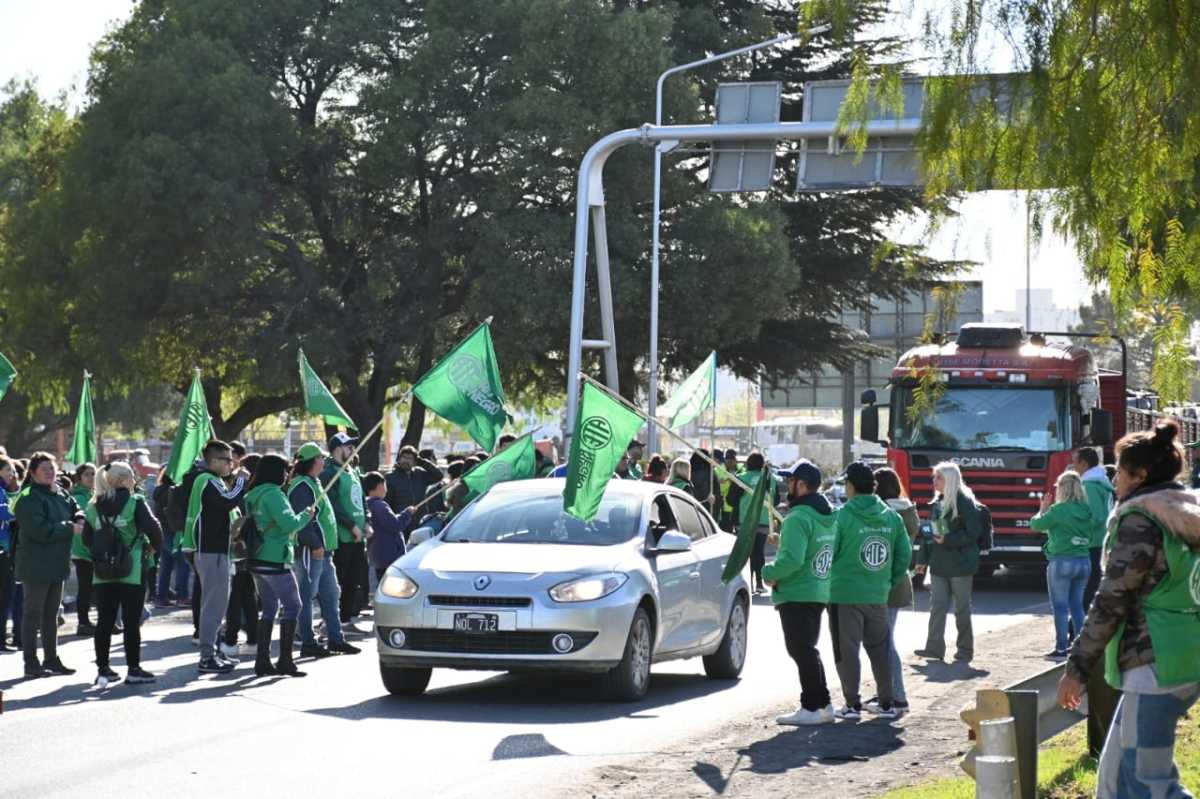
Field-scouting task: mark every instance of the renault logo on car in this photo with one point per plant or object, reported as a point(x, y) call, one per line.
point(482, 582)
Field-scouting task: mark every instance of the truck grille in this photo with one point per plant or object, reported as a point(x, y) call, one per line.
point(454, 601)
point(520, 642)
point(1006, 494)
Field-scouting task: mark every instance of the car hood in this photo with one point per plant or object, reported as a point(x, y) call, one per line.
point(513, 558)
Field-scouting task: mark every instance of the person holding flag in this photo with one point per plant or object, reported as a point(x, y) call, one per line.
point(755, 471)
point(82, 489)
point(799, 582)
point(349, 510)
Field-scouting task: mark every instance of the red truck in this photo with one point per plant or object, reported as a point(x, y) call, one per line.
point(1009, 409)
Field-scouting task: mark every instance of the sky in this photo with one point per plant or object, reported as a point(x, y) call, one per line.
point(49, 40)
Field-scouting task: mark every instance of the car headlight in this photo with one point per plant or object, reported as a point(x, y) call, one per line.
point(398, 585)
point(585, 589)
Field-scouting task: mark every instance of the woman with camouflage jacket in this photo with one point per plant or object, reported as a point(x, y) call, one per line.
point(1143, 628)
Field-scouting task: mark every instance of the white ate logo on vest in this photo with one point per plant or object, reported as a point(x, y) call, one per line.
point(1194, 583)
point(874, 553)
point(823, 561)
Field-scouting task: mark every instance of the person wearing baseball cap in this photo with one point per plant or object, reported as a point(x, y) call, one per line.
point(872, 555)
point(799, 582)
point(350, 510)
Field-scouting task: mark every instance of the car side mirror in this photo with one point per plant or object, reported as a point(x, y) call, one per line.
point(673, 541)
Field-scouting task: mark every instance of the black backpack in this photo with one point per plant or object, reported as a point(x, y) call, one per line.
point(244, 536)
point(986, 539)
point(112, 558)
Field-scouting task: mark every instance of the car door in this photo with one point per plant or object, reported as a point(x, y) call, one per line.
point(678, 578)
point(705, 616)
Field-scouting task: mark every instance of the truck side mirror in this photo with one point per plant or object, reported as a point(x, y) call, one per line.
point(868, 397)
point(1100, 427)
point(869, 424)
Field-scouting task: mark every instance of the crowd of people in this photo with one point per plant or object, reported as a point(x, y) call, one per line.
point(260, 541)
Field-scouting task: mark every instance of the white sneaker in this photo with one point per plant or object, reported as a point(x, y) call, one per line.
point(229, 651)
point(847, 713)
point(828, 712)
point(804, 718)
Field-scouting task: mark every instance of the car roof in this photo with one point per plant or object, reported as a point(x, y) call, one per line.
point(553, 486)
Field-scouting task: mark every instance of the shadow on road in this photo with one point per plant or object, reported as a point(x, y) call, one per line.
point(529, 699)
point(939, 671)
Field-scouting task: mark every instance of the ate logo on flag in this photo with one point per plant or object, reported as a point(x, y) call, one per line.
point(314, 387)
point(594, 435)
point(469, 376)
point(195, 418)
point(500, 472)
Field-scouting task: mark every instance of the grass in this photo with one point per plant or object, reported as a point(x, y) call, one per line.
point(1064, 769)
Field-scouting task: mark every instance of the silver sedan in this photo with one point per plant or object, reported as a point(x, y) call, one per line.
point(513, 583)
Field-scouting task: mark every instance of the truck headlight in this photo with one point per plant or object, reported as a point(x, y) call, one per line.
point(398, 585)
point(586, 589)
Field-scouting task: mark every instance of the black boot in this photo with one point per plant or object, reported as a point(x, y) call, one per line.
point(287, 635)
point(262, 659)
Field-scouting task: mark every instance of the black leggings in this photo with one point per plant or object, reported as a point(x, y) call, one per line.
point(758, 557)
point(242, 613)
point(130, 599)
point(350, 562)
point(83, 598)
point(6, 589)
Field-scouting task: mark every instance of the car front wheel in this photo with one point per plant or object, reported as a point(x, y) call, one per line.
point(405, 682)
point(726, 663)
point(629, 679)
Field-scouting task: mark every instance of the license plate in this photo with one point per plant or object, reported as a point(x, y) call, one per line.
point(476, 622)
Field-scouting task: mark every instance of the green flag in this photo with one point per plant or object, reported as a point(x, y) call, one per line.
point(694, 396)
point(7, 374)
point(464, 388)
point(83, 445)
point(603, 429)
point(195, 427)
point(318, 400)
point(516, 462)
point(748, 527)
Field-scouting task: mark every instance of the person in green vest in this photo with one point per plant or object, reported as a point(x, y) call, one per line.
point(1143, 628)
point(117, 505)
point(799, 581)
point(871, 556)
point(350, 511)
point(82, 490)
point(634, 454)
point(48, 520)
point(725, 475)
point(270, 562)
point(1067, 524)
point(755, 468)
point(316, 545)
point(681, 475)
point(1100, 499)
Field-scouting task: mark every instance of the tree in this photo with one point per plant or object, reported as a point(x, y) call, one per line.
point(1105, 123)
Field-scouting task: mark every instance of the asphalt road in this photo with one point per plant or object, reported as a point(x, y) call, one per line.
point(336, 732)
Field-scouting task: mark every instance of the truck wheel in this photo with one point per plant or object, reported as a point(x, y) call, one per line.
point(629, 679)
point(726, 663)
point(405, 682)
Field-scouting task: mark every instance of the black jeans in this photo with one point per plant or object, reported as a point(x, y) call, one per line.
point(242, 613)
point(801, 629)
point(83, 597)
point(758, 556)
point(40, 613)
point(130, 599)
point(6, 590)
point(350, 562)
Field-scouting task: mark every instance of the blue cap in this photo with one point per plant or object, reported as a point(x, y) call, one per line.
point(803, 470)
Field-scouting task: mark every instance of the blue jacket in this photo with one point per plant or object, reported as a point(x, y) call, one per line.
point(6, 519)
point(387, 539)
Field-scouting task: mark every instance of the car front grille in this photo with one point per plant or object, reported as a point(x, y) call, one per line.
point(520, 642)
point(451, 601)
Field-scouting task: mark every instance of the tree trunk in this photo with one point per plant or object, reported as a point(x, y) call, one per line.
point(416, 424)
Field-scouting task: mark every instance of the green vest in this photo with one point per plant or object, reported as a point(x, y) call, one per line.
point(195, 503)
point(127, 527)
point(1172, 614)
point(350, 495)
point(325, 518)
point(82, 497)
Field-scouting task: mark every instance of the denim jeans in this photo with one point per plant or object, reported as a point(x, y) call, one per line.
point(317, 580)
point(1138, 761)
point(278, 594)
point(171, 561)
point(1066, 579)
point(898, 692)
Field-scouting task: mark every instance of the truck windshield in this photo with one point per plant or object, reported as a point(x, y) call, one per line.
point(984, 417)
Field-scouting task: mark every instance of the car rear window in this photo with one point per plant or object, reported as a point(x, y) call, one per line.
point(501, 518)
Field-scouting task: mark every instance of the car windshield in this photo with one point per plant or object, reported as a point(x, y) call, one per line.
point(501, 517)
point(975, 418)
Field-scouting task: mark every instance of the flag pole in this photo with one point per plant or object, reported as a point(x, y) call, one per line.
point(672, 434)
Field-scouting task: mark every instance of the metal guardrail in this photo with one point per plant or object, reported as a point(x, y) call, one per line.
point(1052, 718)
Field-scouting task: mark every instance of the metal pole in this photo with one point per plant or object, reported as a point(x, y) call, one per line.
point(1028, 289)
point(654, 234)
